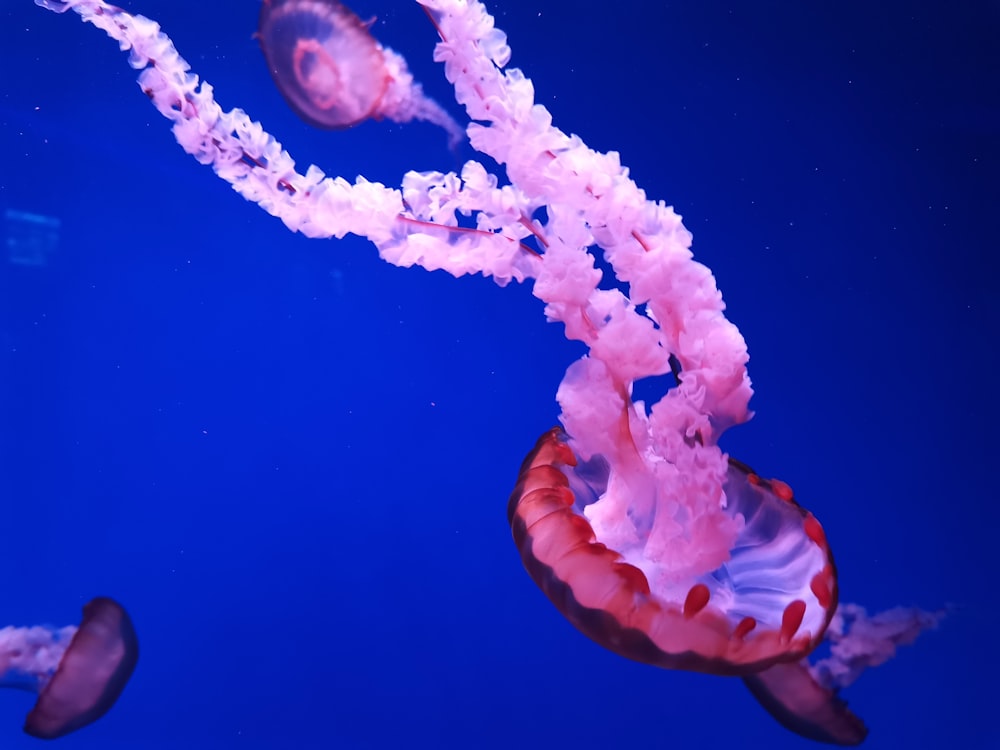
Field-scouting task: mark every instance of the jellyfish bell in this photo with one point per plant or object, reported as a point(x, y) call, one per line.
point(77, 672)
point(767, 605)
point(770, 602)
point(327, 65)
point(334, 74)
point(91, 675)
point(799, 702)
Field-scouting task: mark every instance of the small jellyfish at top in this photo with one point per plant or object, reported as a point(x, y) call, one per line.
point(77, 672)
point(334, 74)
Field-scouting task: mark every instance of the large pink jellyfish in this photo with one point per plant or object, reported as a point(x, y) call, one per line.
point(771, 600)
point(77, 672)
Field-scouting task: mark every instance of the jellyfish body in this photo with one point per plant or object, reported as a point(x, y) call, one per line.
point(793, 696)
point(78, 672)
point(769, 604)
point(334, 74)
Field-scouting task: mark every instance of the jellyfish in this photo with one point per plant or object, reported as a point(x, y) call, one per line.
point(334, 74)
point(643, 533)
point(757, 615)
point(769, 603)
point(77, 672)
point(778, 584)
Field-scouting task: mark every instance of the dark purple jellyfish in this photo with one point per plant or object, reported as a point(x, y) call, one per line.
point(334, 74)
point(77, 672)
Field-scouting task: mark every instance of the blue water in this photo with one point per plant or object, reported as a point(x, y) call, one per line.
point(291, 461)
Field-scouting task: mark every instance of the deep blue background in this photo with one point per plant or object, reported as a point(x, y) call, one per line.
point(291, 460)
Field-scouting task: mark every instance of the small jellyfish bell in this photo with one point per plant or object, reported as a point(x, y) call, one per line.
point(334, 74)
point(77, 672)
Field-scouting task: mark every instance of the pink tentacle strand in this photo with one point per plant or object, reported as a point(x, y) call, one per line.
point(631, 519)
